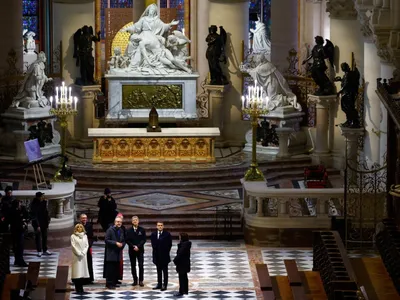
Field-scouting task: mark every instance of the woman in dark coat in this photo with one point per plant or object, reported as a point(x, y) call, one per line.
point(107, 210)
point(182, 263)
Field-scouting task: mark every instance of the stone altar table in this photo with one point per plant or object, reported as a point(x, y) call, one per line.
point(172, 145)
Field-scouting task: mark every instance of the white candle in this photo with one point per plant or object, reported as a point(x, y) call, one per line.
point(242, 102)
point(76, 102)
point(56, 90)
point(51, 101)
point(70, 92)
point(183, 31)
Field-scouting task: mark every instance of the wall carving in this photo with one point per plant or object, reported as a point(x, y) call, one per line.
point(341, 9)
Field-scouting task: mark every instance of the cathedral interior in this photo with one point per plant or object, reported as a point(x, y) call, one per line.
point(268, 131)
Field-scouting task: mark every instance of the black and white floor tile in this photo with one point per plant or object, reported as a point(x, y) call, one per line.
point(206, 295)
point(274, 259)
point(48, 264)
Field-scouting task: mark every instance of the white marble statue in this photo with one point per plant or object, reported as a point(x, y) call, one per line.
point(30, 93)
point(30, 45)
point(177, 44)
point(151, 50)
point(272, 81)
point(118, 60)
point(261, 43)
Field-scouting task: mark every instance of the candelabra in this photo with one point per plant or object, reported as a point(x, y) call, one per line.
point(63, 105)
point(254, 104)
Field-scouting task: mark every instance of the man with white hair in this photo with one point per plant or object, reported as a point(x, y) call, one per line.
point(115, 242)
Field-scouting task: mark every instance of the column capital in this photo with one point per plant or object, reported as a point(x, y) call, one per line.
point(341, 9)
point(322, 101)
point(352, 134)
point(216, 90)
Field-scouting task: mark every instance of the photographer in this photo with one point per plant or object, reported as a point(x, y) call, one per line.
point(107, 210)
point(18, 225)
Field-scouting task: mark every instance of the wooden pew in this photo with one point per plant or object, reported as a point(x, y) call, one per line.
point(295, 281)
point(33, 273)
point(13, 282)
point(51, 289)
point(265, 282)
point(61, 283)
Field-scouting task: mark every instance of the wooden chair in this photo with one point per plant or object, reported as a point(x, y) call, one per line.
point(265, 282)
point(295, 281)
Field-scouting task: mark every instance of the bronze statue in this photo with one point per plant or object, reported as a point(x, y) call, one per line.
point(41, 131)
point(83, 49)
point(318, 69)
point(153, 121)
point(216, 54)
point(350, 83)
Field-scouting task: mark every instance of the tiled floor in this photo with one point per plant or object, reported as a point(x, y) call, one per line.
point(220, 270)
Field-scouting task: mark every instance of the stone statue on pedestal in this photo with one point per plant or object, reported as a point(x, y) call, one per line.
point(30, 93)
point(83, 49)
point(30, 45)
point(261, 43)
point(319, 68)
point(350, 83)
point(216, 54)
point(272, 81)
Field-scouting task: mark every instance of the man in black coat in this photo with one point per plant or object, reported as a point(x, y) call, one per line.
point(89, 233)
point(182, 263)
point(5, 208)
point(115, 242)
point(18, 223)
point(40, 223)
point(161, 241)
point(136, 238)
point(107, 210)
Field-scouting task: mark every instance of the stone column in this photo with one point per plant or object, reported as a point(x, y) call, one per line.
point(283, 135)
point(201, 35)
point(260, 207)
point(321, 153)
point(86, 114)
point(252, 206)
point(234, 16)
point(372, 103)
point(283, 31)
point(11, 32)
point(138, 8)
point(20, 137)
point(352, 136)
point(216, 105)
point(60, 208)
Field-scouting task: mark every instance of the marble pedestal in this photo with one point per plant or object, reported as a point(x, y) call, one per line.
point(216, 104)
point(115, 97)
point(352, 136)
point(86, 117)
point(322, 154)
point(292, 140)
point(18, 121)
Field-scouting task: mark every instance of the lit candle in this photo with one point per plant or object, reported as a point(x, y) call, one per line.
point(249, 91)
point(183, 31)
point(70, 92)
point(56, 91)
point(51, 101)
point(76, 102)
point(242, 102)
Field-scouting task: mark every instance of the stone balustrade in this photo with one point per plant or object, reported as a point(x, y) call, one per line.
point(61, 208)
point(284, 217)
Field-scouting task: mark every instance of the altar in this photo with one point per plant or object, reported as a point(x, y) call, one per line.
point(136, 145)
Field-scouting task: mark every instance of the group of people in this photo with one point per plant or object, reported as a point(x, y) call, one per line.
point(14, 219)
point(116, 238)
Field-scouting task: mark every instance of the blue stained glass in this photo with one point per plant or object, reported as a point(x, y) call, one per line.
point(121, 3)
point(30, 7)
point(31, 23)
point(180, 12)
point(267, 16)
point(163, 3)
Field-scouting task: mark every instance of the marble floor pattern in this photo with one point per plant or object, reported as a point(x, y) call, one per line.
point(220, 270)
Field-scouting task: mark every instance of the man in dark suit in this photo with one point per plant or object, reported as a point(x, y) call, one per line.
point(40, 223)
point(115, 242)
point(161, 241)
point(136, 238)
point(89, 233)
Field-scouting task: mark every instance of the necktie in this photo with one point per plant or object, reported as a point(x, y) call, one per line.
point(159, 233)
point(134, 228)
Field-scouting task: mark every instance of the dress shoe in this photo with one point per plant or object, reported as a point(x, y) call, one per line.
point(177, 294)
point(163, 288)
point(134, 283)
point(141, 283)
point(119, 282)
point(110, 287)
point(157, 287)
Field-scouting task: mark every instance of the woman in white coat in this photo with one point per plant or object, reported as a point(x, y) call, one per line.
point(80, 246)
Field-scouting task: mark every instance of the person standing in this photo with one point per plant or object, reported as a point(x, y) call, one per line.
point(121, 259)
point(115, 242)
point(5, 208)
point(107, 210)
point(18, 217)
point(80, 246)
point(161, 242)
point(136, 238)
point(90, 236)
point(182, 263)
point(40, 223)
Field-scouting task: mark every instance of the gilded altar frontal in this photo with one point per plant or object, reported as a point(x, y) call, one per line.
point(147, 96)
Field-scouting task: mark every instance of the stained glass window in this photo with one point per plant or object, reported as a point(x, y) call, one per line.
point(30, 16)
point(113, 4)
point(180, 6)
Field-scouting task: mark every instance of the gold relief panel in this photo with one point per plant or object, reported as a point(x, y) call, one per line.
point(172, 149)
point(147, 96)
